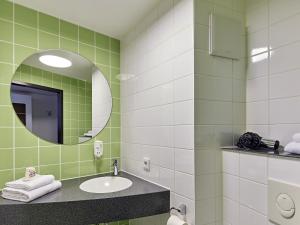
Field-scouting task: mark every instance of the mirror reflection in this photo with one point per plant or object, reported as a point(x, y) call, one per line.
point(61, 97)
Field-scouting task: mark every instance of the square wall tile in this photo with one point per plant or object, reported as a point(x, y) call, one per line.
point(25, 36)
point(6, 10)
point(6, 176)
point(24, 138)
point(6, 159)
point(51, 169)
point(102, 41)
point(6, 137)
point(49, 155)
point(25, 16)
point(68, 30)
point(48, 23)
point(6, 28)
point(69, 154)
point(26, 157)
point(69, 170)
point(48, 41)
point(6, 120)
point(6, 52)
point(86, 36)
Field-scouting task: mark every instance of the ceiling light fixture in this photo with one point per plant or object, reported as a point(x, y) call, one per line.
point(55, 61)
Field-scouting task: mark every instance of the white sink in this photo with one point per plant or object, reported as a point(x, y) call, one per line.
point(105, 185)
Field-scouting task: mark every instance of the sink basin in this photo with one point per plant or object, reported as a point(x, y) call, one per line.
point(105, 184)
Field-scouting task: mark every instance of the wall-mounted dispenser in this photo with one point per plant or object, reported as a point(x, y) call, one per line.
point(225, 36)
point(98, 149)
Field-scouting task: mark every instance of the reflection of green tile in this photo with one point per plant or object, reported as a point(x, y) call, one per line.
point(5, 73)
point(48, 23)
point(115, 150)
point(49, 155)
point(5, 95)
point(115, 60)
point(6, 30)
point(69, 45)
point(21, 53)
point(102, 41)
point(115, 134)
point(5, 176)
point(51, 169)
point(48, 41)
point(6, 10)
point(6, 159)
point(104, 135)
point(69, 170)
point(24, 138)
point(25, 36)
point(86, 36)
point(68, 30)
point(26, 157)
point(25, 16)
point(6, 118)
point(102, 57)
point(6, 52)
point(87, 52)
point(87, 168)
point(69, 154)
point(115, 45)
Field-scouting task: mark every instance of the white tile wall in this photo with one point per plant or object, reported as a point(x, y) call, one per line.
point(220, 96)
point(158, 103)
point(273, 97)
point(245, 185)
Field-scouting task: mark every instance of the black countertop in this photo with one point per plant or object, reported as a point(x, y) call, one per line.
point(70, 205)
point(282, 154)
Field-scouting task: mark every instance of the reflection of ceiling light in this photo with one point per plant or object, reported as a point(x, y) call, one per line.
point(124, 76)
point(259, 57)
point(55, 61)
point(256, 51)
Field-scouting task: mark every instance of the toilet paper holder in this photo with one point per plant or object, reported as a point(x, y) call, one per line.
point(181, 209)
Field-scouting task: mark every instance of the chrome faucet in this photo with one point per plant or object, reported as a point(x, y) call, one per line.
point(115, 165)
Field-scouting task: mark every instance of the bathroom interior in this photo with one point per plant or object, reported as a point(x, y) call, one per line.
point(153, 112)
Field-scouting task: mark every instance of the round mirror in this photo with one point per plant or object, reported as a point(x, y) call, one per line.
point(61, 97)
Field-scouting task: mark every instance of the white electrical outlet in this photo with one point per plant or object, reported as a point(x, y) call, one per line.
point(98, 149)
point(146, 164)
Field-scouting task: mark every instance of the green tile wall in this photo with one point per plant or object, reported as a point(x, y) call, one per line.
point(77, 96)
point(23, 32)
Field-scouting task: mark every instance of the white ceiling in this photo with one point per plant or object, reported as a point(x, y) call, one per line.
point(111, 17)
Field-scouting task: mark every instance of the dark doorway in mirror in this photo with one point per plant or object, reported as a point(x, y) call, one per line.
point(40, 109)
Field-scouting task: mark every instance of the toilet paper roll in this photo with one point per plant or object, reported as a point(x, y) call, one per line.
point(296, 137)
point(175, 220)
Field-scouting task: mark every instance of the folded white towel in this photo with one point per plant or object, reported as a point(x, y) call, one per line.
point(28, 196)
point(296, 137)
point(34, 183)
point(293, 147)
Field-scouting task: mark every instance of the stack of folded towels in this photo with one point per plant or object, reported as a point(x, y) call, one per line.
point(294, 146)
point(29, 189)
